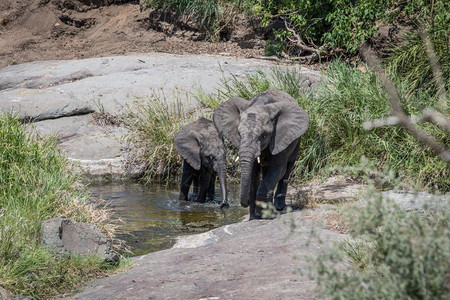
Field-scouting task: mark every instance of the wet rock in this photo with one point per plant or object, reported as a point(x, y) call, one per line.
point(68, 237)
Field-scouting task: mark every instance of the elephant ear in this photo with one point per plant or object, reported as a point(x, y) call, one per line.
point(291, 123)
point(187, 144)
point(227, 117)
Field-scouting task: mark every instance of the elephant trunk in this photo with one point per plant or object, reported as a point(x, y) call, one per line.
point(223, 186)
point(247, 165)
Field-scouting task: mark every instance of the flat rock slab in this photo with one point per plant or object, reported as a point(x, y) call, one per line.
point(247, 260)
point(54, 94)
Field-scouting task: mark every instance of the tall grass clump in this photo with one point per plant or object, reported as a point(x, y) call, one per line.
point(392, 253)
point(288, 79)
point(351, 97)
point(209, 15)
point(409, 60)
point(155, 121)
point(35, 185)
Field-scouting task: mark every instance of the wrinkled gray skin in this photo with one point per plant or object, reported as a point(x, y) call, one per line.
point(204, 157)
point(268, 126)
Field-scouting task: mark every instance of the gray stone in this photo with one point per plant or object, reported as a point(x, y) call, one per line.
point(334, 189)
point(5, 295)
point(68, 237)
point(419, 201)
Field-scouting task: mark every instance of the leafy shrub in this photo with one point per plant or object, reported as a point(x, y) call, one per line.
point(393, 253)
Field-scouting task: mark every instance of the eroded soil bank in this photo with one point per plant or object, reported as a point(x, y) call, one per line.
point(33, 30)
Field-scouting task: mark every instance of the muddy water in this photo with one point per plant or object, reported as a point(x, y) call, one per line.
point(153, 217)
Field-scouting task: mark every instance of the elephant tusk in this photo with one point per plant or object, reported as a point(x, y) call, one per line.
point(258, 160)
point(237, 158)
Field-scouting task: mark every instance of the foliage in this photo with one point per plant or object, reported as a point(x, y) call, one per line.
point(352, 97)
point(393, 253)
point(346, 24)
point(36, 185)
point(302, 25)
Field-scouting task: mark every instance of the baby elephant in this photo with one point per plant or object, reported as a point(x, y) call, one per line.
point(204, 157)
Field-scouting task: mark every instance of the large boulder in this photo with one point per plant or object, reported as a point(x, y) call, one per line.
point(68, 237)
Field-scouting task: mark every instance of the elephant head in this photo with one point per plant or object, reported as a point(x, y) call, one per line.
point(271, 122)
point(200, 145)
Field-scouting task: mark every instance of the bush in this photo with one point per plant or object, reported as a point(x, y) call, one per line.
point(393, 253)
point(35, 185)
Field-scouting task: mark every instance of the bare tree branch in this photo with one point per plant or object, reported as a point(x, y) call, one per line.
point(428, 115)
point(400, 117)
point(298, 41)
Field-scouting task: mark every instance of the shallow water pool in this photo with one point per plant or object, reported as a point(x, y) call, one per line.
point(153, 216)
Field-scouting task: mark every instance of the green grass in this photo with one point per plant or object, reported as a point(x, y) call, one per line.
point(35, 185)
point(409, 60)
point(338, 110)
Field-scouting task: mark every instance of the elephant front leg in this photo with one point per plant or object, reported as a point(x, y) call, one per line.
point(255, 180)
point(186, 180)
point(280, 194)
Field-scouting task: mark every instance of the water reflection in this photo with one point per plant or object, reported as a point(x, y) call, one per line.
point(153, 217)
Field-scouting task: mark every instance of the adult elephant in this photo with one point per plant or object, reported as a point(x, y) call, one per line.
point(267, 126)
point(204, 157)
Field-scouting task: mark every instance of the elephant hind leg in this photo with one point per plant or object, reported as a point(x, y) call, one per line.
point(280, 195)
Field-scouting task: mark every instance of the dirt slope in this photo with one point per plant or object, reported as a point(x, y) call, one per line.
point(72, 29)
